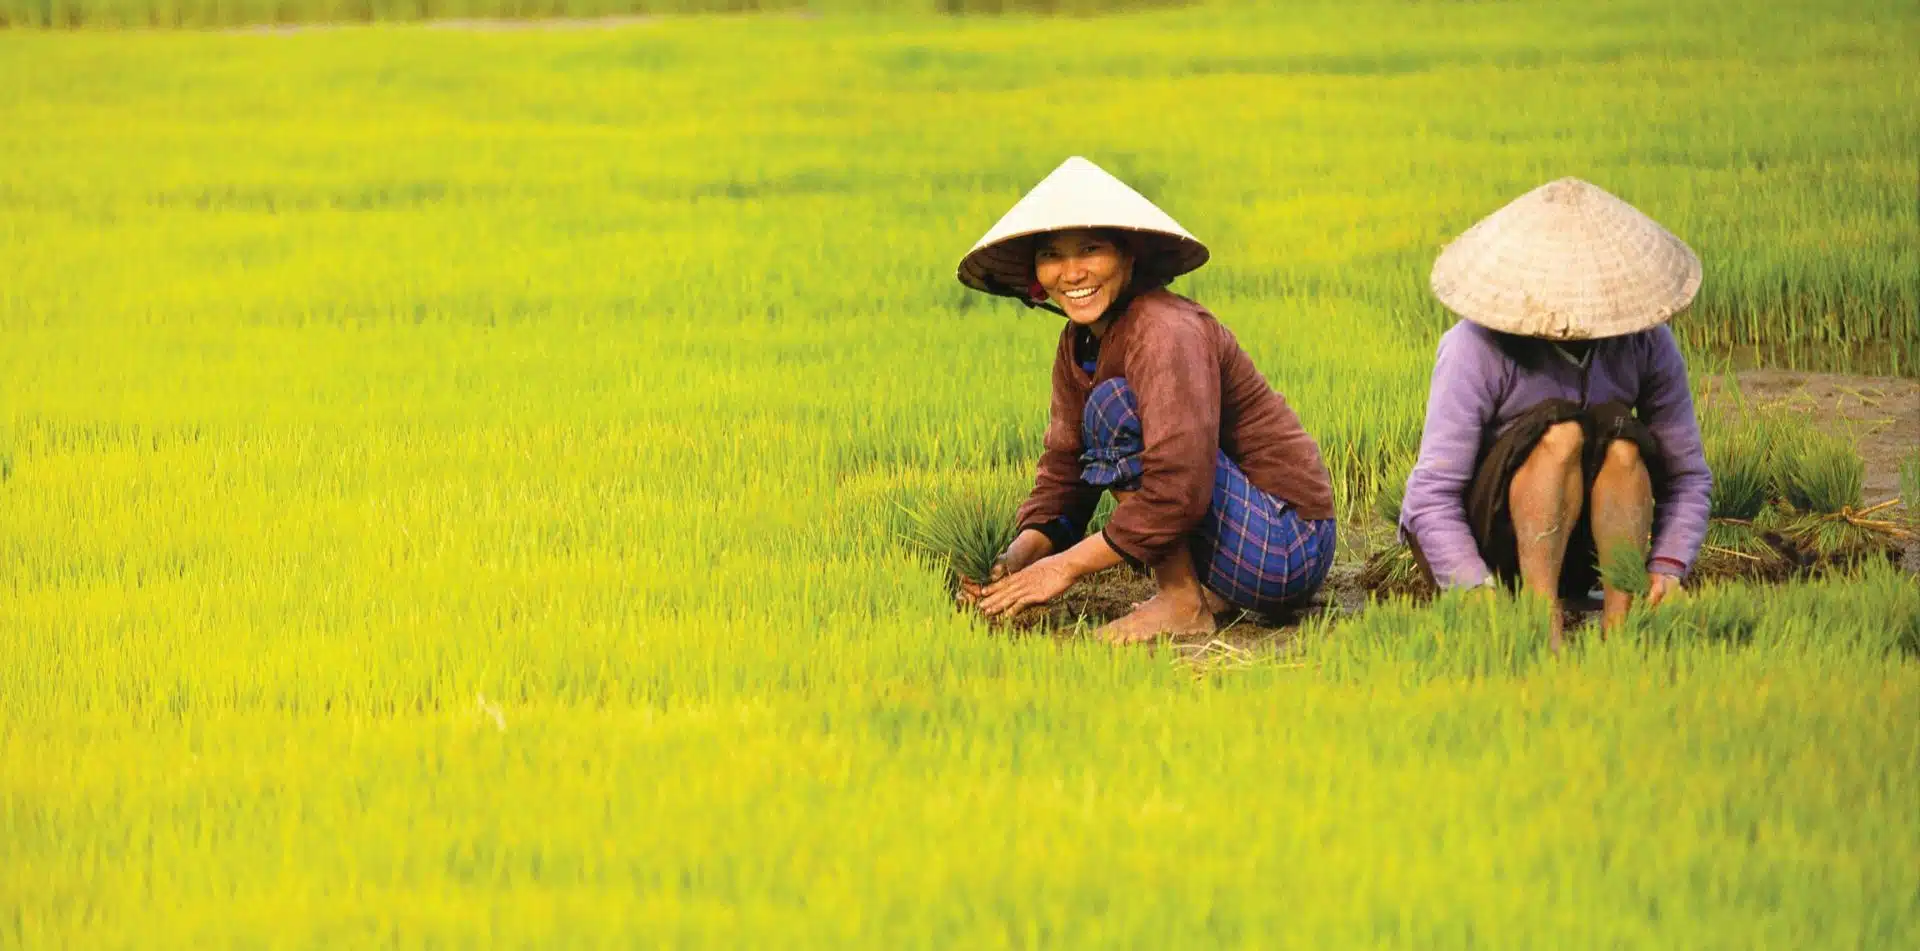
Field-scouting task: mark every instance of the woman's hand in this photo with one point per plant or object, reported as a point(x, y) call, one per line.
point(1037, 583)
point(1030, 546)
point(1663, 587)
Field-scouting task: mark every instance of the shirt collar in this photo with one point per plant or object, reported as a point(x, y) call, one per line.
point(1580, 361)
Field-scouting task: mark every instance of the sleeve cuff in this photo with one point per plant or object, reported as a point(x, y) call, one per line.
point(1061, 532)
point(1125, 555)
point(1668, 566)
point(1456, 574)
point(1467, 581)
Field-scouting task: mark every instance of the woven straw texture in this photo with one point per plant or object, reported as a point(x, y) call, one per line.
point(1078, 194)
point(1567, 261)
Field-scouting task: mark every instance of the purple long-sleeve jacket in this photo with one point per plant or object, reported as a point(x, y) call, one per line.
point(1478, 391)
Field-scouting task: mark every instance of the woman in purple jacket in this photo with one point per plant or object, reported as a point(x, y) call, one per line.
point(1560, 430)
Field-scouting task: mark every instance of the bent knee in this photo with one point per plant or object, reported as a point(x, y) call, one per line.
point(1622, 454)
point(1562, 441)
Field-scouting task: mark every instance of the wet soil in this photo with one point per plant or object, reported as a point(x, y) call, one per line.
point(1882, 414)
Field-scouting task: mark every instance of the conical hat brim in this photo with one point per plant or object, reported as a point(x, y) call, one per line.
point(1567, 261)
point(1078, 194)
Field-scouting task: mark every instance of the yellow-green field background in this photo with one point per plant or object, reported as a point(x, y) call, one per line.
point(450, 488)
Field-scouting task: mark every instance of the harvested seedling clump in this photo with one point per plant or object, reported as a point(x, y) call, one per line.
point(1822, 506)
point(964, 529)
point(1740, 452)
point(1392, 570)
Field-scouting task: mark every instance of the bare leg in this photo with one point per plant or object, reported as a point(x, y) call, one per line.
point(1545, 499)
point(1179, 607)
point(1180, 604)
point(1215, 603)
point(1622, 517)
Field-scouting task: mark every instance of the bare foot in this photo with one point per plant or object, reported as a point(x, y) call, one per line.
point(1159, 616)
point(1215, 603)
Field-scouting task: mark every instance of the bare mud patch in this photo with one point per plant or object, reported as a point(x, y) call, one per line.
point(1882, 414)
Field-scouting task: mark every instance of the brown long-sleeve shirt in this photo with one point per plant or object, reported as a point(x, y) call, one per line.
point(1196, 391)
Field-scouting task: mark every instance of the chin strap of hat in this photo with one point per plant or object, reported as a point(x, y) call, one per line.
point(995, 287)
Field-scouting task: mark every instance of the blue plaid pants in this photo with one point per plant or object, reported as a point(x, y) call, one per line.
point(1251, 549)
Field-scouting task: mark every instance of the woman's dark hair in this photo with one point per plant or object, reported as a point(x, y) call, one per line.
point(1531, 353)
point(1145, 276)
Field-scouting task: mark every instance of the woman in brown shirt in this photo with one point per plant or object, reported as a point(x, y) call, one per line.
point(1221, 494)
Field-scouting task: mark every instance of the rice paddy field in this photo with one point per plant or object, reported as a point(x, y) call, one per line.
point(457, 485)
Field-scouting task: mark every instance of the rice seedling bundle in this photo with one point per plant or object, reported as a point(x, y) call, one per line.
point(454, 488)
point(1740, 454)
point(965, 528)
point(1821, 473)
point(1625, 569)
point(1743, 453)
point(1391, 569)
point(1819, 484)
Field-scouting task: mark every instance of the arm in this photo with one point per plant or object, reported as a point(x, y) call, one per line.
point(1048, 578)
point(1060, 505)
point(1460, 407)
point(1680, 511)
point(1174, 373)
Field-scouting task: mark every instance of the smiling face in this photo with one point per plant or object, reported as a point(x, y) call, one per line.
point(1082, 271)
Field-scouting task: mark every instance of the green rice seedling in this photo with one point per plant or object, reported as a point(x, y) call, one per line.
point(1392, 492)
point(1738, 549)
point(1386, 505)
point(1821, 473)
point(1842, 538)
point(1476, 633)
point(1740, 454)
point(1392, 571)
point(1721, 615)
point(965, 529)
point(1626, 570)
point(1823, 476)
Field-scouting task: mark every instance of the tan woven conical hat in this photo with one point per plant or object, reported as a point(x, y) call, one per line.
point(1567, 261)
point(1078, 194)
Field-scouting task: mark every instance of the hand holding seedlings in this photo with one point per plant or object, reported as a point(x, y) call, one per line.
point(1662, 587)
point(1029, 547)
point(1037, 583)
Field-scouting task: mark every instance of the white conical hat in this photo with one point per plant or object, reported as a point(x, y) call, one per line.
point(1567, 261)
point(1078, 194)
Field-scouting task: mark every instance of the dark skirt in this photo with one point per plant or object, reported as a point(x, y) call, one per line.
point(1489, 513)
